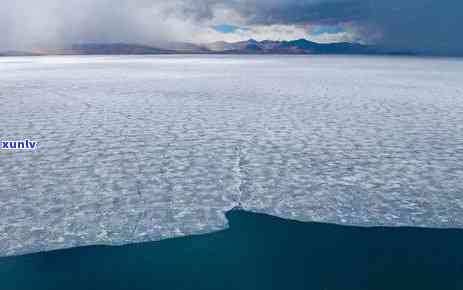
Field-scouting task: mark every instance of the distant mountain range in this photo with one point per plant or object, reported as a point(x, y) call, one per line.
point(300, 46)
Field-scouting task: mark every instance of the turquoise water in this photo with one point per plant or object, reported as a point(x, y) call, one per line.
point(256, 252)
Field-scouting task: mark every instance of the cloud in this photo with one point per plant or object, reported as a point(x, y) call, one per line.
point(258, 32)
point(275, 32)
point(423, 25)
point(28, 24)
point(298, 11)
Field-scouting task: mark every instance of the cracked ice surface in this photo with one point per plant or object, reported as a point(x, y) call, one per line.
point(145, 148)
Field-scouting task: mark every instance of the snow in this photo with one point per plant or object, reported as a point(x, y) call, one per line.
point(141, 148)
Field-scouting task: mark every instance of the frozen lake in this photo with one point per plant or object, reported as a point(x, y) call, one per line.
point(145, 148)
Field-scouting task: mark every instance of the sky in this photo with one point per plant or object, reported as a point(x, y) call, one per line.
point(417, 25)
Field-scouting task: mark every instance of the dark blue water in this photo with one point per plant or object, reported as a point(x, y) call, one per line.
point(256, 252)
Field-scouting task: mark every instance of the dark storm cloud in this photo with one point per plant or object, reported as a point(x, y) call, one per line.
point(419, 24)
point(423, 25)
point(300, 12)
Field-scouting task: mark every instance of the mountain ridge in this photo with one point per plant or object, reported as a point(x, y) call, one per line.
point(251, 46)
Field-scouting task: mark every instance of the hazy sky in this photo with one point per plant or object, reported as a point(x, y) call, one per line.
point(425, 25)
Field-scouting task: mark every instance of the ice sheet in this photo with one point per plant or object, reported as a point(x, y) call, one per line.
point(146, 148)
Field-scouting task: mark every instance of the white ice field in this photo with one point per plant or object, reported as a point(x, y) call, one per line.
point(145, 148)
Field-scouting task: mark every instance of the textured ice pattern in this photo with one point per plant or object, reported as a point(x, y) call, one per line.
point(145, 148)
